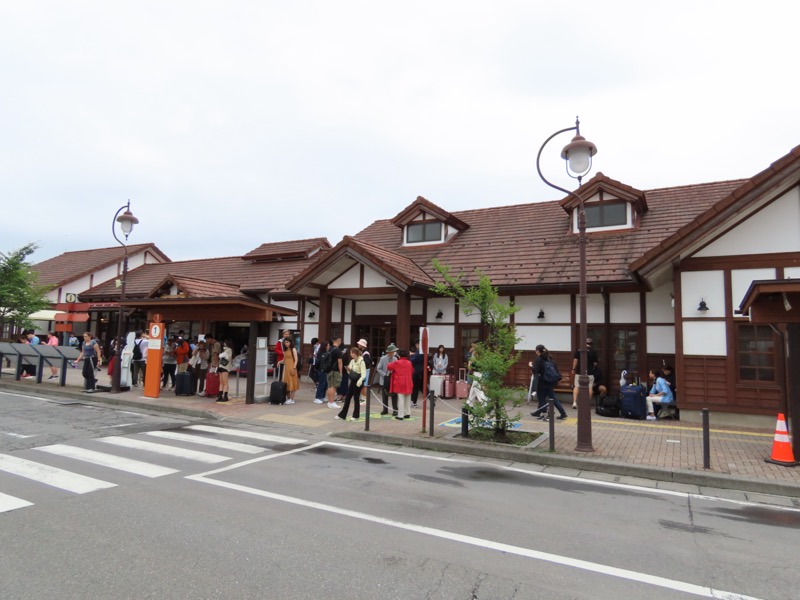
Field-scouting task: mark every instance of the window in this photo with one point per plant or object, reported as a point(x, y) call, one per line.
point(756, 353)
point(606, 214)
point(430, 231)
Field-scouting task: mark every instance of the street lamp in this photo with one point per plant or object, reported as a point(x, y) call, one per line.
point(578, 156)
point(126, 222)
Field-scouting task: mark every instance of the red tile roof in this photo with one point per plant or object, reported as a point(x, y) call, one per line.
point(284, 250)
point(70, 266)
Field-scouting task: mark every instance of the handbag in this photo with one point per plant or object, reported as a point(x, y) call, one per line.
point(354, 375)
point(223, 362)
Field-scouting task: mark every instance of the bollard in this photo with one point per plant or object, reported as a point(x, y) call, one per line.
point(464, 422)
point(366, 415)
point(431, 404)
point(552, 424)
point(706, 441)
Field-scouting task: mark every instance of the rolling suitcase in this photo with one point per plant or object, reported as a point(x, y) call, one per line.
point(633, 404)
point(277, 392)
point(212, 384)
point(449, 387)
point(183, 384)
point(462, 387)
point(437, 384)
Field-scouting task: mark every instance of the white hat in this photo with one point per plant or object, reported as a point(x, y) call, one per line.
point(362, 342)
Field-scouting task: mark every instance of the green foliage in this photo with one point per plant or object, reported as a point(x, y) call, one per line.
point(20, 295)
point(494, 355)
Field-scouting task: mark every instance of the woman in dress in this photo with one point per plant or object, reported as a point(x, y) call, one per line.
point(90, 353)
point(224, 367)
point(440, 361)
point(200, 356)
point(290, 377)
point(356, 373)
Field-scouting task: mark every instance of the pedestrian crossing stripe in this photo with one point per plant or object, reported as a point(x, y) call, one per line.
point(120, 463)
point(8, 503)
point(266, 437)
point(52, 476)
point(204, 457)
point(195, 439)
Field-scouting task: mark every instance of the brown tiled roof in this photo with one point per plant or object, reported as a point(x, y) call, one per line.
point(70, 266)
point(423, 204)
point(203, 288)
point(284, 250)
point(531, 244)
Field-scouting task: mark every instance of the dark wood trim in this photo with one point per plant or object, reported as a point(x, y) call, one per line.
point(676, 291)
point(730, 342)
point(351, 292)
point(745, 261)
point(403, 319)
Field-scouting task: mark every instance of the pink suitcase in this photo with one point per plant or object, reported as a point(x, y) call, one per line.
point(449, 387)
point(462, 387)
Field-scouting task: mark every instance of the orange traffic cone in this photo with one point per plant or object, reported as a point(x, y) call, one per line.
point(782, 448)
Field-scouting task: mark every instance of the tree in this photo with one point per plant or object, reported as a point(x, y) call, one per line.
point(20, 295)
point(495, 355)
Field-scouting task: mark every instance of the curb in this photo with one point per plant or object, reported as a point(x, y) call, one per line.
point(716, 480)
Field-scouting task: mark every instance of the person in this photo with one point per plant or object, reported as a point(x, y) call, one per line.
point(660, 392)
point(335, 374)
point(385, 380)
point(279, 353)
point(313, 366)
point(290, 375)
point(27, 370)
point(52, 340)
point(367, 358)
point(322, 354)
point(90, 354)
point(418, 362)
point(200, 356)
point(344, 384)
point(182, 351)
point(439, 361)
point(139, 359)
point(544, 389)
point(356, 375)
point(169, 363)
point(402, 383)
point(74, 342)
point(669, 377)
point(225, 365)
point(214, 348)
point(33, 339)
point(591, 360)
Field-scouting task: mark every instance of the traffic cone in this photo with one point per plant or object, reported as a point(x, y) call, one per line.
point(781, 447)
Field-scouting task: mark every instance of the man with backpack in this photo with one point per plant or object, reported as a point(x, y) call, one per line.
point(333, 363)
point(591, 364)
point(546, 376)
point(139, 359)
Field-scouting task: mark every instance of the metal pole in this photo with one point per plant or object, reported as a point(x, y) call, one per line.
point(117, 373)
point(431, 404)
point(366, 416)
point(706, 441)
point(552, 424)
point(464, 422)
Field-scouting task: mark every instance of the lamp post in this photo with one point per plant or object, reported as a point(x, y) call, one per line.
point(578, 156)
point(126, 222)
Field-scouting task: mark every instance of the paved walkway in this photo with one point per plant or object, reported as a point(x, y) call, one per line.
point(667, 450)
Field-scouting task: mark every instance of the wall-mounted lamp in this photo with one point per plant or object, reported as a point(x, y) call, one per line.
point(703, 306)
point(311, 314)
point(439, 315)
point(672, 300)
point(541, 314)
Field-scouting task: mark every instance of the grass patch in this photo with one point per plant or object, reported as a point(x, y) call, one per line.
point(514, 438)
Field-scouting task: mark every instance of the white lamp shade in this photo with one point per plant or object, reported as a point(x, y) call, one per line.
point(579, 160)
point(126, 222)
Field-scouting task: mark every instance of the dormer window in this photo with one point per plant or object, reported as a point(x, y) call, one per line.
point(425, 232)
point(605, 216)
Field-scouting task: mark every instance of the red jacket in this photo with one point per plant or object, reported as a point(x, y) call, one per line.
point(279, 351)
point(402, 371)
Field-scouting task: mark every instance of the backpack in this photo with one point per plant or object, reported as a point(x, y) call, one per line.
point(550, 372)
point(137, 350)
point(608, 406)
point(327, 362)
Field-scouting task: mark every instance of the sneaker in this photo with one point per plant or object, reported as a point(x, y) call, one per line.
point(222, 400)
point(55, 377)
point(333, 405)
point(337, 417)
point(536, 413)
point(203, 393)
point(318, 401)
point(414, 405)
point(407, 417)
point(574, 407)
point(92, 391)
point(399, 418)
point(362, 403)
point(651, 417)
point(562, 417)
point(289, 401)
point(354, 418)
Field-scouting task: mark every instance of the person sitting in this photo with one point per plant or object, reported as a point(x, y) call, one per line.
point(660, 393)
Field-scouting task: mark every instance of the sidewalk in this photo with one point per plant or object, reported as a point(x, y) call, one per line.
point(668, 451)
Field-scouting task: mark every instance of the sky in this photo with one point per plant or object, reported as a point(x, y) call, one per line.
point(230, 124)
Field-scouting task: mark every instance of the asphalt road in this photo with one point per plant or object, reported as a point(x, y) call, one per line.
point(165, 508)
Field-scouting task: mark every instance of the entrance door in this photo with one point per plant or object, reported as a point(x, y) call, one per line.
point(378, 337)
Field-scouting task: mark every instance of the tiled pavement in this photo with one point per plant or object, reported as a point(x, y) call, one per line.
point(621, 446)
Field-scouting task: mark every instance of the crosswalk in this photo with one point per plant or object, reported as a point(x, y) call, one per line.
point(112, 454)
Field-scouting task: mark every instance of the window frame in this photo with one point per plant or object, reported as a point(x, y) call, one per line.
point(628, 224)
point(423, 225)
point(770, 354)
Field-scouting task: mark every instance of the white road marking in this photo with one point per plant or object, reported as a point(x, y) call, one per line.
point(247, 434)
point(120, 463)
point(19, 435)
point(205, 457)
point(654, 580)
point(8, 503)
point(121, 425)
point(58, 478)
point(196, 439)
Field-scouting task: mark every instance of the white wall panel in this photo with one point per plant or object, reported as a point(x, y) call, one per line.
point(661, 339)
point(376, 307)
point(349, 279)
point(625, 308)
point(554, 337)
point(704, 338)
point(446, 305)
point(441, 334)
point(416, 307)
point(741, 280)
point(373, 279)
point(556, 309)
point(658, 305)
point(696, 285)
point(310, 330)
point(791, 272)
point(595, 309)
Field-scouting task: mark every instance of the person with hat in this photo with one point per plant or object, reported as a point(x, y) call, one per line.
point(385, 379)
point(402, 383)
point(367, 358)
point(591, 360)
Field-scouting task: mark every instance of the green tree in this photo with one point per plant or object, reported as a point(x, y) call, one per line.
point(20, 295)
point(494, 355)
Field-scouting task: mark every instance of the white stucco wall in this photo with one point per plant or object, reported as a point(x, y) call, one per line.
point(373, 278)
point(704, 338)
point(441, 334)
point(446, 305)
point(658, 305)
point(376, 307)
point(741, 280)
point(625, 308)
point(417, 307)
point(311, 330)
point(556, 309)
point(349, 279)
point(791, 272)
point(554, 337)
point(661, 339)
point(775, 228)
point(698, 285)
point(595, 309)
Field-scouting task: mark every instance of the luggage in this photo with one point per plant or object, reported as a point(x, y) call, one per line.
point(277, 392)
point(632, 402)
point(607, 406)
point(449, 387)
point(184, 384)
point(212, 384)
point(462, 387)
point(437, 384)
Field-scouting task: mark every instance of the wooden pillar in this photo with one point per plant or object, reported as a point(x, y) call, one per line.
point(324, 315)
point(793, 383)
point(403, 320)
point(252, 346)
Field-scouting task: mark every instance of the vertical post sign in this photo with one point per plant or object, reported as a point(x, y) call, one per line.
point(155, 350)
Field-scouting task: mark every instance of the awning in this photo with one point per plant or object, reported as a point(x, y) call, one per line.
point(43, 315)
point(772, 301)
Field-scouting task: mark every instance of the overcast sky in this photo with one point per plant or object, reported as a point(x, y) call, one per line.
point(229, 124)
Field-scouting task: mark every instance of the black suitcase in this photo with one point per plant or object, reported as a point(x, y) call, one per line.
point(607, 406)
point(633, 404)
point(277, 392)
point(183, 384)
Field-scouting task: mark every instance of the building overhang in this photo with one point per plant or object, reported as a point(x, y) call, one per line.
point(773, 301)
